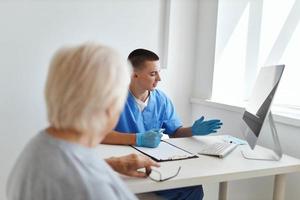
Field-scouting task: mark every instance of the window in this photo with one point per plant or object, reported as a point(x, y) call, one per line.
point(251, 34)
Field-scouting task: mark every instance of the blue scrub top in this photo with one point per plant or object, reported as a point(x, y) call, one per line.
point(159, 113)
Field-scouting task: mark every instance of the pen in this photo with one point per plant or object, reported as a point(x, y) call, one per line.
point(162, 130)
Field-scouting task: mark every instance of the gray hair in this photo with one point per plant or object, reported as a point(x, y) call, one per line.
point(83, 81)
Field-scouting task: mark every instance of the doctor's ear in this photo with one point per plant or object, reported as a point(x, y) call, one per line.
point(134, 75)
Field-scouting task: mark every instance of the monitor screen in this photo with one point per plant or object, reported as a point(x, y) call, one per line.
point(258, 106)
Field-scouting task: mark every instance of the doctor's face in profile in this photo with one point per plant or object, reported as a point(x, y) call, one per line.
point(148, 76)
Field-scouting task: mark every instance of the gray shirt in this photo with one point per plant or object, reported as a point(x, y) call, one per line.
point(54, 169)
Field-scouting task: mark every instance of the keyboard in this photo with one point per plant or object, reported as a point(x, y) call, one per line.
point(219, 149)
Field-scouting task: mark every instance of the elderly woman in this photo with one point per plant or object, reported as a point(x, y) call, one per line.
point(85, 92)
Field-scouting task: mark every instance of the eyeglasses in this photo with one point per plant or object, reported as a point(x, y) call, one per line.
point(157, 176)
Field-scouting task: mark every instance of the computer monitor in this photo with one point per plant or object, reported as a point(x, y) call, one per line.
point(258, 111)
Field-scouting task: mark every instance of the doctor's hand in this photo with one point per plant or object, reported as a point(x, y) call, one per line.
point(149, 139)
point(201, 127)
point(129, 165)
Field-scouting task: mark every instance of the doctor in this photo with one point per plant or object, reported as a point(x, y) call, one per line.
point(148, 110)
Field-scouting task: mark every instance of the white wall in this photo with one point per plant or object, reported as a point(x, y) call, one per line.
point(205, 50)
point(177, 81)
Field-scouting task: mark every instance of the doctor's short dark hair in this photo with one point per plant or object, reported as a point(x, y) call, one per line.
point(138, 56)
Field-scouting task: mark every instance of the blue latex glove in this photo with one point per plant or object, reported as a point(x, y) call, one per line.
point(149, 138)
point(201, 127)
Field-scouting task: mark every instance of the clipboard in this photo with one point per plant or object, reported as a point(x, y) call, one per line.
point(166, 152)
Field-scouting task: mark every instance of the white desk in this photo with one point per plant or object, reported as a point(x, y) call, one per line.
point(206, 169)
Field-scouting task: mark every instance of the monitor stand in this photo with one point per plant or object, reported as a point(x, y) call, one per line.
point(266, 154)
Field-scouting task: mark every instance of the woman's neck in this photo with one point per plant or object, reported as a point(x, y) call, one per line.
point(87, 140)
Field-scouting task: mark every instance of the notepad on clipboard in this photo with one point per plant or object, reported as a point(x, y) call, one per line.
point(166, 152)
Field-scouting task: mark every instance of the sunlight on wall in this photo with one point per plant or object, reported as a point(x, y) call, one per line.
point(229, 73)
point(280, 43)
point(274, 16)
point(289, 87)
point(277, 37)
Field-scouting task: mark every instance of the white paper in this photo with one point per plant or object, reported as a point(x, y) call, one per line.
point(165, 151)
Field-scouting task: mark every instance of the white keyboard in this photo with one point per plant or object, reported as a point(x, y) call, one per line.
point(219, 149)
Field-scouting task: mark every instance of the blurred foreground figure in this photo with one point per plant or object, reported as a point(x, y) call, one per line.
point(85, 93)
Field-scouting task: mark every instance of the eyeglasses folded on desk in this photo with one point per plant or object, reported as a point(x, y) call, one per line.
point(159, 176)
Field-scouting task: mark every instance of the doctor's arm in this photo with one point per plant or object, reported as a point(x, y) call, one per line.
point(199, 127)
point(145, 139)
point(182, 132)
point(115, 137)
